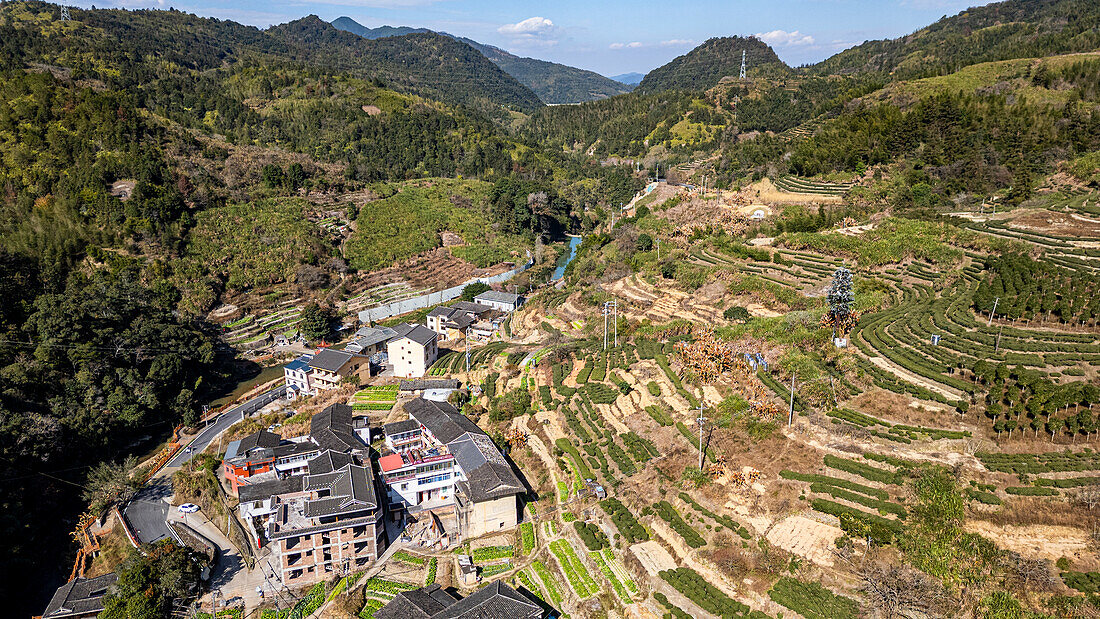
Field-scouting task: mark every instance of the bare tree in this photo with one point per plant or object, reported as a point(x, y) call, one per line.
point(898, 592)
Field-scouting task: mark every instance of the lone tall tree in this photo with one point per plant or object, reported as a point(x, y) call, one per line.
point(841, 298)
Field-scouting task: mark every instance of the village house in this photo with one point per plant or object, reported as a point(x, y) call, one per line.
point(500, 301)
point(296, 374)
point(80, 598)
point(440, 460)
point(370, 341)
point(497, 600)
point(264, 456)
point(413, 350)
point(324, 523)
point(328, 367)
point(451, 322)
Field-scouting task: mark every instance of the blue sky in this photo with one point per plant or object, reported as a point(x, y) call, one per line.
point(608, 36)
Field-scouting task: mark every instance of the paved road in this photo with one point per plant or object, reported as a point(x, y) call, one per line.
point(223, 422)
point(148, 509)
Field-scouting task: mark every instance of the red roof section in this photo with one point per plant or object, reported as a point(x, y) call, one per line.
point(391, 462)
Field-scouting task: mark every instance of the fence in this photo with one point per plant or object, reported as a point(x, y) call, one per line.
point(433, 298)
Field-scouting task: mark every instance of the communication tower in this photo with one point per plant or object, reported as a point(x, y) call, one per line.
point(742, 64)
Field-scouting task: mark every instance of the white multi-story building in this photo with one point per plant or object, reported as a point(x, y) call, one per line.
point(413, 350)
point(297, 376)
point(440, 460)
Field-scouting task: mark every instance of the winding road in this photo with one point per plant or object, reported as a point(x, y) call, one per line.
point(147, 512)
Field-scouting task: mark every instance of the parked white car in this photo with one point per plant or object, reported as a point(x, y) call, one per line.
point(188, 508)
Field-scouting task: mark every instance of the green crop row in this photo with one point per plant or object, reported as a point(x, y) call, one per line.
point(575, 571)
point(865, 471)
point(859, 523)
point(527, 537)
point(813, 601)
point(884, 507)
point(549, 583)
point(669, 514)
point(723, 520)
point(491, 553)
point(624, 521)
point(1031, 491)
point(591, 535)
point(659, 414)
point(835, 481)
point(705, 595)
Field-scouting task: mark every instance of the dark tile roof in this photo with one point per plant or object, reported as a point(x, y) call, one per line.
point(352, 490)
point(494, 601)
point(418, 333)
point(266, 489)
point(441, 419)
point(461, 321)
point(293, 448)
point(471, 307)
point(488, 474)
point(369, 336)
point(80, 596)
point(329, 461)
point(421, 384)
point(331, 360)
point(332, 429)
point(421, 603)
point(399, 427)
point(261, 439)
point(442, 310)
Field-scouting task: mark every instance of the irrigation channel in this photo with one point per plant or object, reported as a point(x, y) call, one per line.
point(559, 272)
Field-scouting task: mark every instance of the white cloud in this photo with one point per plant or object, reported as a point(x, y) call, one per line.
point(785, 39)
point(631, 45)
point(532, 26)
point(532, 32)
point(676, 42)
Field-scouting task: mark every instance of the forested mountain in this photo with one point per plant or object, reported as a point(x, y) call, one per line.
point(704, 66)
point(999, 31)
point(429, 64)
point(552, 82)
point(631, 79)
point(134, 48)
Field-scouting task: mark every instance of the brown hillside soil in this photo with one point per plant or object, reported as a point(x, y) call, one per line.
point(1060, 224)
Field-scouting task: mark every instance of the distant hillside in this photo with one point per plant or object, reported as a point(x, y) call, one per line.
point(632, 79)
point(552, 82)
point(704, 66)
point(1001, 31)
point(427, 63)
point(348, 24)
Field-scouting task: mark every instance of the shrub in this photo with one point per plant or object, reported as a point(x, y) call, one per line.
point(723, 520)
point(659, 414)
point(982, 496)
point(654, 388)
point(708, 597)
point(591, 535)
point(1031, 491)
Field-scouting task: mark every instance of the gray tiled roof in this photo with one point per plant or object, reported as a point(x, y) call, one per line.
point(369, 336)
point(79, 597)
point(266, 489)
point(442, 310)
point(329, 461)
point(441, 419)
point(330, 359)
point(418, 333)
point(498, 297)
point(488, 474)
point(421, 384)
point(420, 603)
point(399, 427)
point(352, 490)
point(471, 307)
point(494, 601)
point(332, 429)
point(262, 439)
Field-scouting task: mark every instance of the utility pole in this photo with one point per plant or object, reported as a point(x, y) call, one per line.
point(991, 314)
point(467, 354)
point(615, 306)
point(605, 326)
point(701, 420)
point(790, 416)
point(658, 249)
point(65, 13)
point(998, 346)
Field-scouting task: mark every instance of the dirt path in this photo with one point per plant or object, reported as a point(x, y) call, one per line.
point(904, 374)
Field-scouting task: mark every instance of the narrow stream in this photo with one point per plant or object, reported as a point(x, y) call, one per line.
point(564, 261)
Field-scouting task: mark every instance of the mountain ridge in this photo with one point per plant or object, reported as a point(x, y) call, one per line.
point(553, 82)
point(704, 66)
